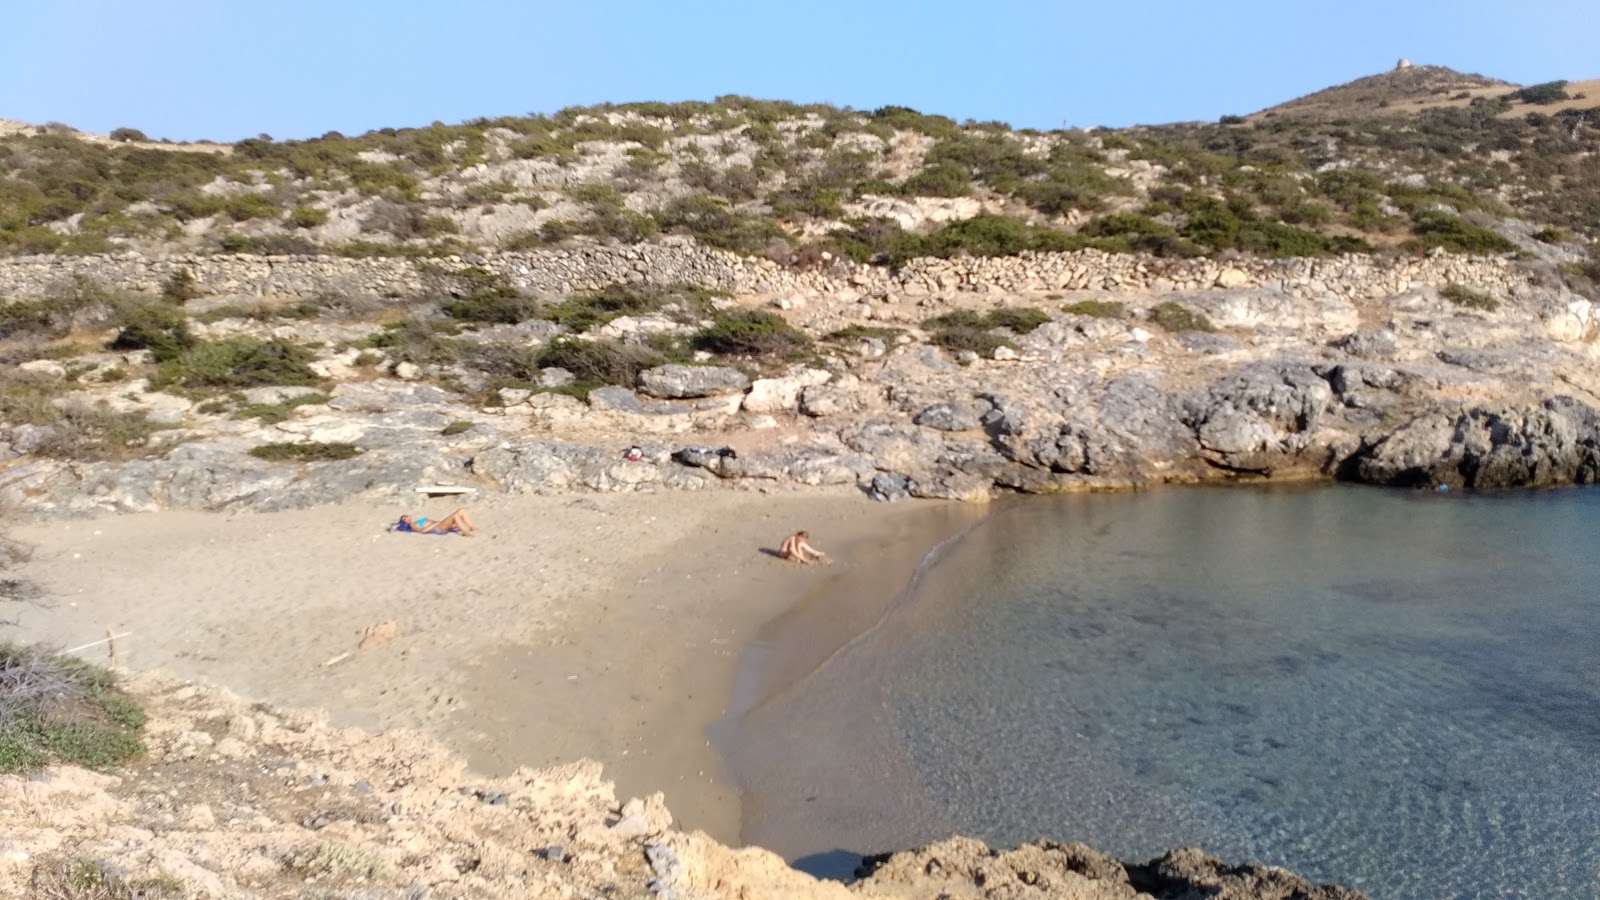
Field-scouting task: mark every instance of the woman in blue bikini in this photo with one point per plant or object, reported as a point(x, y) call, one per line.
point(458, 522)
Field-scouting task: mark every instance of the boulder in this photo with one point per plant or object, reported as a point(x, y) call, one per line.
point(821, 400)
point(1232, 278)
point(615, 399)
point(554, 377)
point(1372, 344)
point(271, 395)
point(948, 417)
point(889, 488)
point(782, 394)
point(678, 382)
point(47, 368)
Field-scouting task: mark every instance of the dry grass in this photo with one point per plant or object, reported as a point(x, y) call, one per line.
point(340, 861)
point(86, 879)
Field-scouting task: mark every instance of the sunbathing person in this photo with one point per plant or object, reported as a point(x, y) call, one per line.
point(458, 522)
point(796, 548)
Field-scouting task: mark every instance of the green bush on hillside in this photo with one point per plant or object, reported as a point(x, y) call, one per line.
point(308, 216)
point(1542, 94)
point(58, 709)
point(753, 333)
point(595, 363)
point(494, 303)
point(1469, 298)
point(965, 329)
point(715, 224)
point(240, 362)
point(161, 328)
point(1098, 309)
point(1177, 318)
point(308, 451)
point(582, 312)
point(1453, 233)
point(180, 287)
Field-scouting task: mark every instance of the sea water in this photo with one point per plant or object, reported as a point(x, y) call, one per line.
point(1395, 691)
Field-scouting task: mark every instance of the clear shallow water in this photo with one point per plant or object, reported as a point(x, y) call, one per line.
point(1395, 691)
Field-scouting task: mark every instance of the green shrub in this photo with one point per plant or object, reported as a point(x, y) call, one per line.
point(1469, 298)
point(715, 224)
point(1019, 319)
point(181, 286)
point(310, 451)
point(1552, 235)
point(58, 709)
point(246, 206)
point(308, 216)
point(273, 413)
point(240, 362)
point(852, 333)
point(584, 311)
point(125, 135)
point(595, 363)
point(1177, 318)
point(751, 332)
point(41, 318)
point(984, 235)
point(1453, 233)
point(942, 180)
point(965, 329)
point(457, 427)
point(1541, 94)
point(979, 340)
point(161, 328)
point(1231, 120)
point(78, 431)
point(434, 226)
point(1099, 309)
point(493, 304)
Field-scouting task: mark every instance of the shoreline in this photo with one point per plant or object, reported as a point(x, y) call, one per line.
point(605, 627)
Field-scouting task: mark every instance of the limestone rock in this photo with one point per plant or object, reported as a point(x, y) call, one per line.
point(46, 368)
point(1232, 278)
point(1376, 344)
point(948, 417)
point(769, 395)
point(678, 381)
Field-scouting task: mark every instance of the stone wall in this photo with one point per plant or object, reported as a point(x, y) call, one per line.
point(677, 262)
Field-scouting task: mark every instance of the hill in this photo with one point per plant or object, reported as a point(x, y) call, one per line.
point(1407, 88)
point(1318, 176)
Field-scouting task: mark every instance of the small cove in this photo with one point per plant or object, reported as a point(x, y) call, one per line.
point(1397, 691)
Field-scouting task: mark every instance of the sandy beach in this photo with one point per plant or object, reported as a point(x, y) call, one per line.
point(599, 626)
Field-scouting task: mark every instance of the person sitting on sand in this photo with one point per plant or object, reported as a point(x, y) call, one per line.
point(796, 548)
point(458, 522)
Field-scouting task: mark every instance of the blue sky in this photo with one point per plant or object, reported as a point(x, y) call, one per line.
point(226, 69)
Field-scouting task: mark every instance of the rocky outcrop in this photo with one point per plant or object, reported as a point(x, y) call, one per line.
point(680, 382)
point(239, 800)
point(1554, 443)
point(1302, 379)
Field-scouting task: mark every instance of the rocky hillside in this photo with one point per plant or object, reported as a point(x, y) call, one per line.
point(237, 800)
point(762, 295)
point(1331, 173)
point(952, 379)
